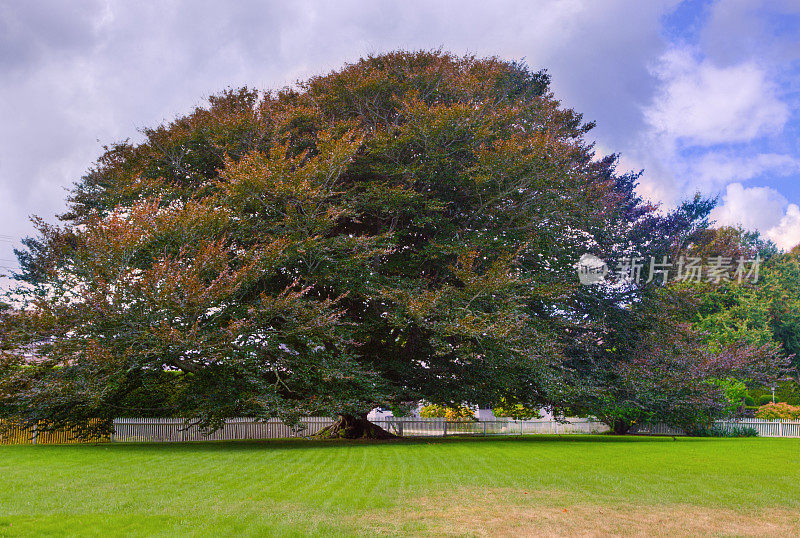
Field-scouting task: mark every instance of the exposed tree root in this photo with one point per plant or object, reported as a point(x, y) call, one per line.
point(353, 427)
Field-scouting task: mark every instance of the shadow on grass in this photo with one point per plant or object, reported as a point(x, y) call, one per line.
point(305, 444)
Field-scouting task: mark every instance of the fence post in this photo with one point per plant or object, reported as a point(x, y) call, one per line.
point(400, 429)
point(444, 429)
point(484, 429)
point(780, 428)
point(35, 433)
point(520, 427)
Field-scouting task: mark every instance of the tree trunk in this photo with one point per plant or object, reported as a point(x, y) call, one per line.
point(621, 427)
point(353, 427)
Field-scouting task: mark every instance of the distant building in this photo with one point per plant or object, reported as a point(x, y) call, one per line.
point(378, 413)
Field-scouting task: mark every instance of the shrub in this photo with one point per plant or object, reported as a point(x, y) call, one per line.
point(765, 399)
point(778, 411)
point(789, 392)
point(749, 401)
point(785, 391)
point(718, 431)
point(741, 431)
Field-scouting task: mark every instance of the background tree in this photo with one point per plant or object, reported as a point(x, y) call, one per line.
point(759, 313)
point(660, 368)
point(677, 353)
point(706, 380)
point(732, 242)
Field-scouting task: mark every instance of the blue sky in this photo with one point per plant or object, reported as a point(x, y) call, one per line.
point(702, 95)
point(742, 61)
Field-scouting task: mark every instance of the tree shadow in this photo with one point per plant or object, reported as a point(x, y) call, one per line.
point(305, 444)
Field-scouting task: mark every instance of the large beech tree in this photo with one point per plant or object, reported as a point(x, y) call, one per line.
point(405, 228)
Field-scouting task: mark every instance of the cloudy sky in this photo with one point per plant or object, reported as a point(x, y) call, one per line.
point(702, 95)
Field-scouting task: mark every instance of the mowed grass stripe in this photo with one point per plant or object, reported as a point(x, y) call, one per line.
point(301, 488)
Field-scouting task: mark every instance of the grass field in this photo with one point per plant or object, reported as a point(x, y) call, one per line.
point(574, 485)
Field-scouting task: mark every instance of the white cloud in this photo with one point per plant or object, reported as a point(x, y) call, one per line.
point(716, 169)
point(763, 209)
point(787, 233)
point(758, 208)
point(670, 176)
point(706, 126)
point(704, 104)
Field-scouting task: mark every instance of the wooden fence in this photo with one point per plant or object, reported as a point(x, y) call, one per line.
point(437, 427)
point(161, 430)
point(654, 429)
point(165, 430)
point(177, 430)
point(765, 428)
point(14, 434)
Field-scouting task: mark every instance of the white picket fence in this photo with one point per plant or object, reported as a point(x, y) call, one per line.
point(765, 428)
point(439, 427)
point(164, 430)
point(177, 429)
point(130, 430)
point(654, 429)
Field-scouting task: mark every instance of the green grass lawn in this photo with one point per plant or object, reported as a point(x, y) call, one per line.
point(513, 486)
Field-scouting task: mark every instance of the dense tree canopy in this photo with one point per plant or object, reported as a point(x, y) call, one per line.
point(667, 357)
point(405, 228)
point(764, 312)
